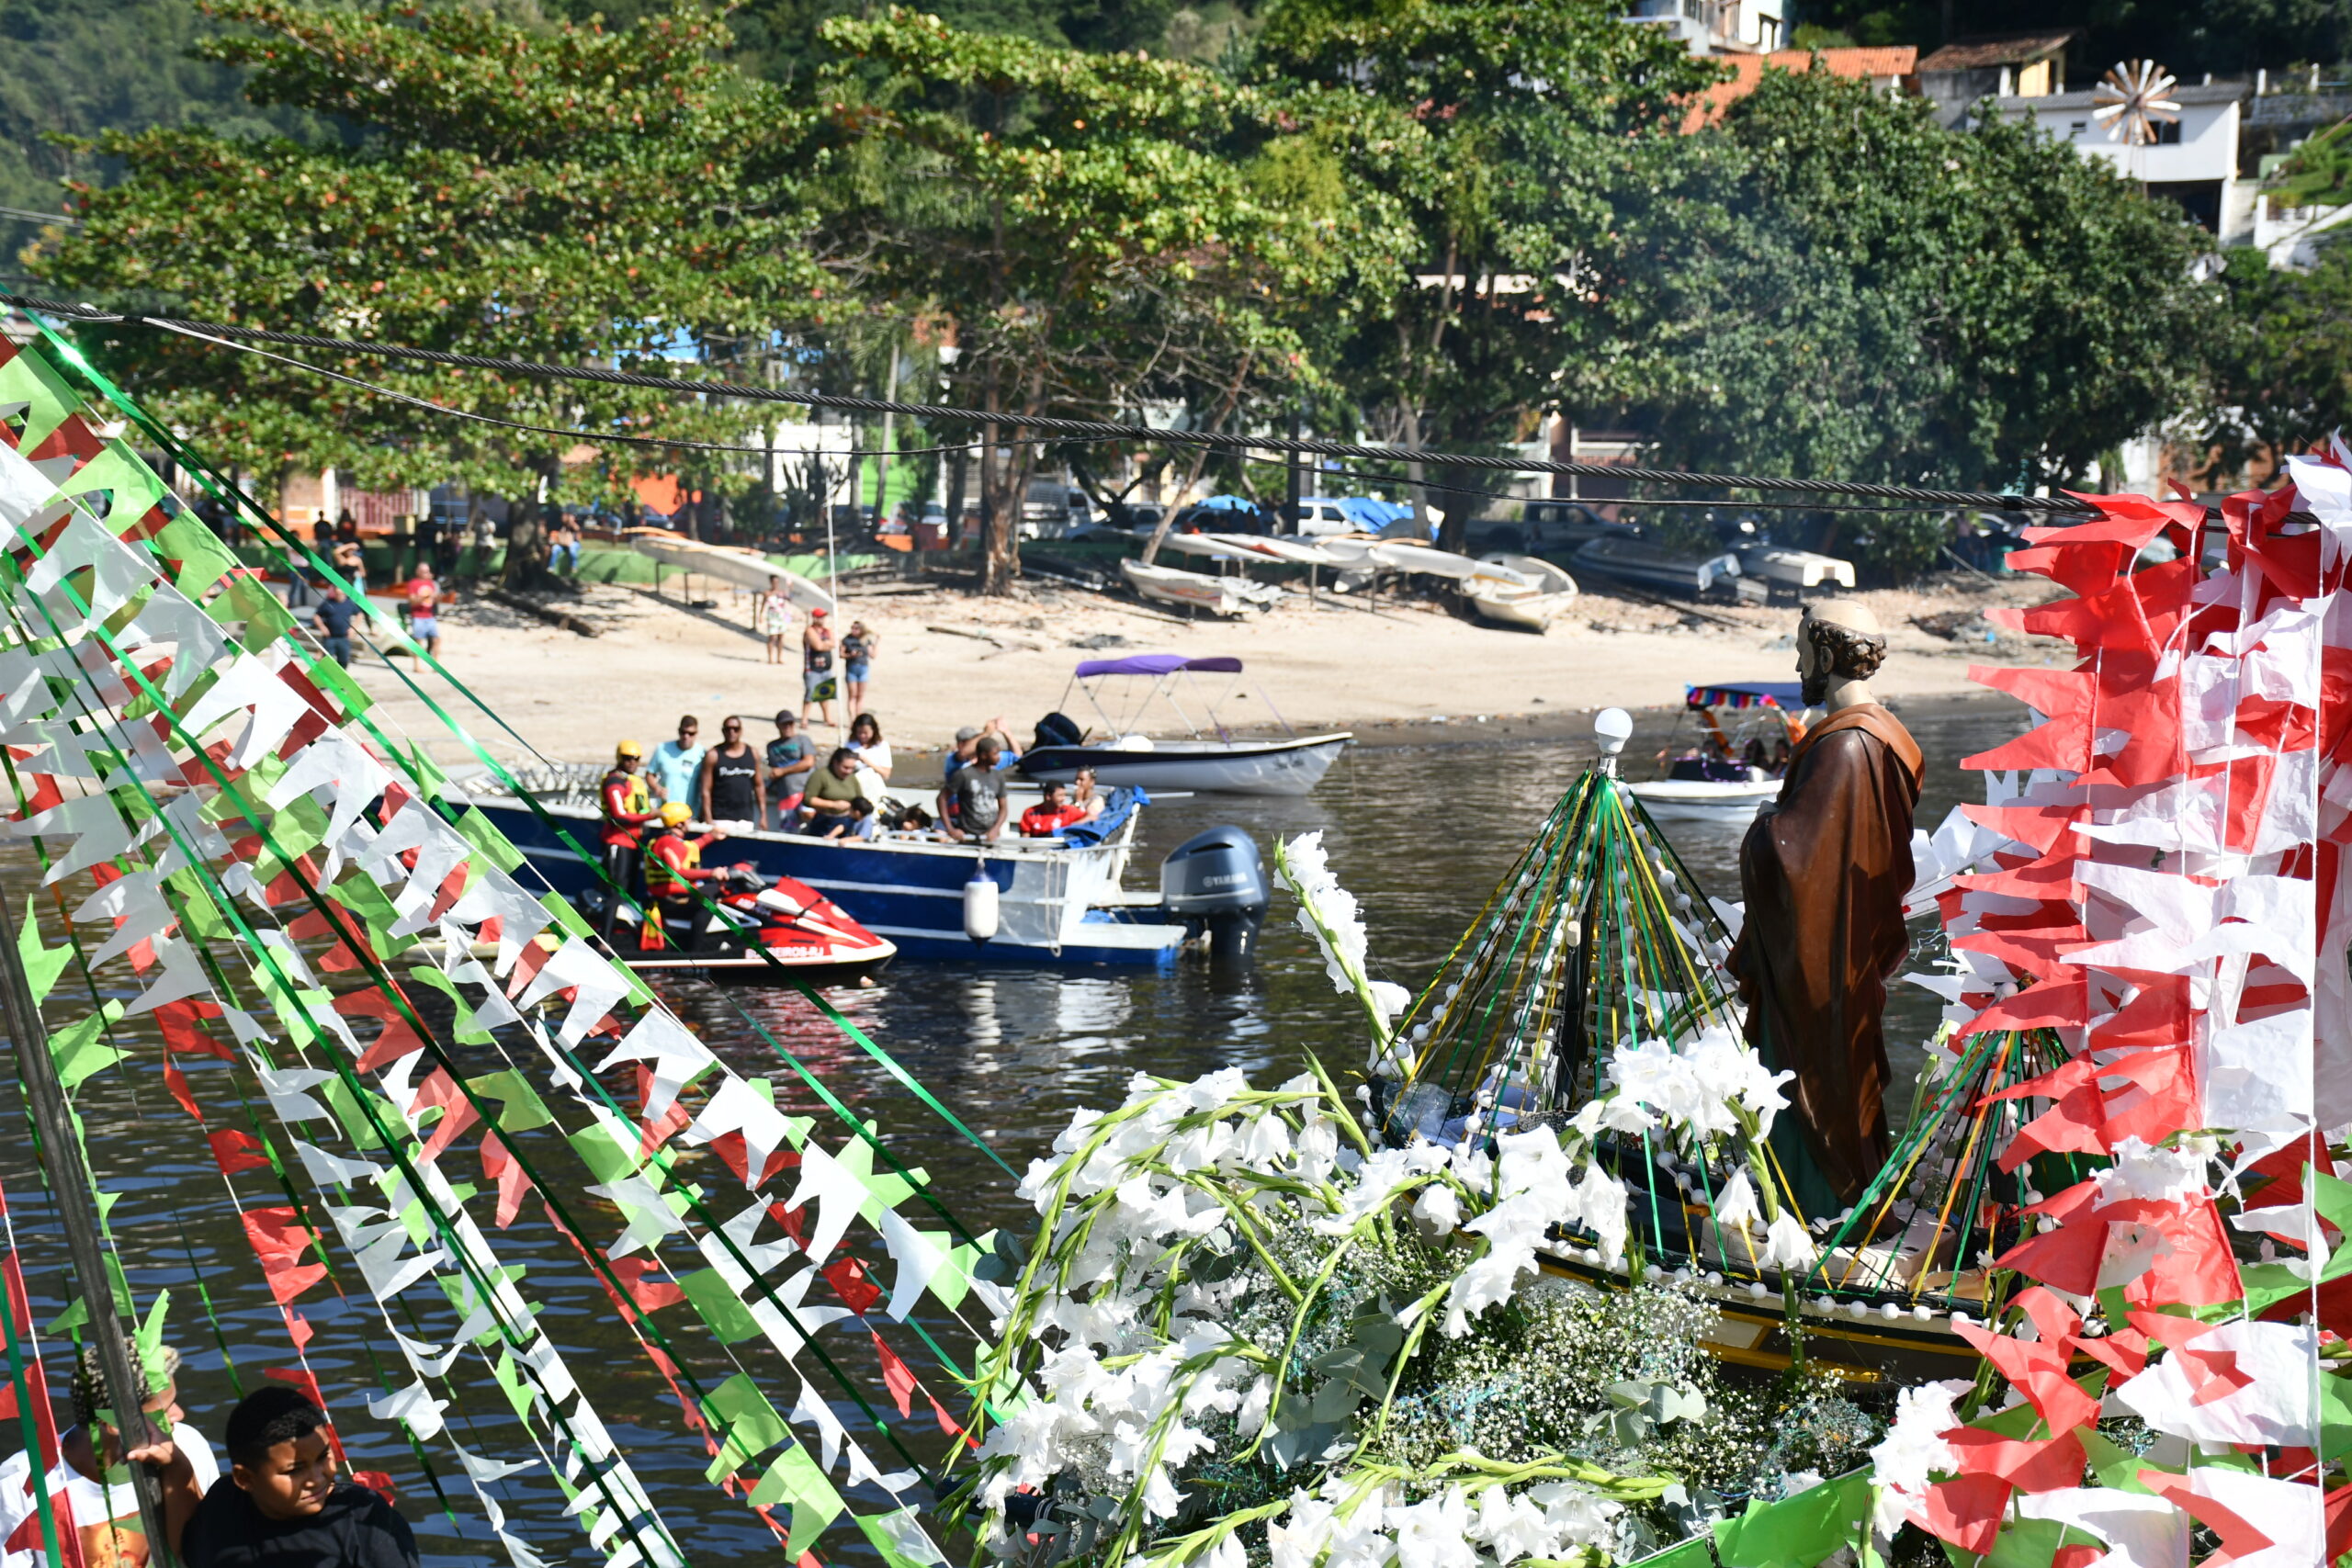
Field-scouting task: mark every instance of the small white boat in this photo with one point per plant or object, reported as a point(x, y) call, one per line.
point(1198, 590)
point(744, 569)
point(1210, 759)
point(1796, 569)
point(1215, 546)
point(1705, 800)
point(1542, 592)
point(1298, 552)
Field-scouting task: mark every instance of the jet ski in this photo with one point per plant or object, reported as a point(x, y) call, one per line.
point(765, 931)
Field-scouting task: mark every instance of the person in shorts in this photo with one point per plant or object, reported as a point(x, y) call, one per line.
point(857, 661)
point(423, 597)
point(775, 618)
point(332, 617)
point(819, 684)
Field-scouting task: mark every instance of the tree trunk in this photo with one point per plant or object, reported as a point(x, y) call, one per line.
point(959, 474)
point(526, 547)
point(1004, 485)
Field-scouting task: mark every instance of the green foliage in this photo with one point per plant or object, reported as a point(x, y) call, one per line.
point(2190, 35)
point(1834, 287)
point(2318, 173)
point(565, 195)
point(1098, 229)
point(2282, 372)
point(80, 67)
point(1527, 117)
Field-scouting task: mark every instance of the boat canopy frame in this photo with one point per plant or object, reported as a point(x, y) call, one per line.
point(1169, 673)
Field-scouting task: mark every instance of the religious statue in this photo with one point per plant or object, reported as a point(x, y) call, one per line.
point(1825, 869)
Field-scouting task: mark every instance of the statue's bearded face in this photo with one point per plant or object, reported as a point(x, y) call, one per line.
point(1812, 667)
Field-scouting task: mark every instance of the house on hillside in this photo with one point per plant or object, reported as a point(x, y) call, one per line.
point(2194, 160)
point(1886, 70)
point(2004, 65)
point(1716, 26)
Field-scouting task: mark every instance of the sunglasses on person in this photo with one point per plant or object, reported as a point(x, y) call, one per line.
point(730, 729)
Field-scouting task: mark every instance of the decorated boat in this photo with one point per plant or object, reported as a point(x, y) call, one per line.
point(1209, 758)
point(1729, 774)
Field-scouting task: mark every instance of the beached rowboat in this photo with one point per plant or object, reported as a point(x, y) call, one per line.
point(744, 569)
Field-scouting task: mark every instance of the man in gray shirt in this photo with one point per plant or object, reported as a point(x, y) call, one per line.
point(972, 806)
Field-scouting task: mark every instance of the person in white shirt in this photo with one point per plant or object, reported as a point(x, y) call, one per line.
point(95, 1482)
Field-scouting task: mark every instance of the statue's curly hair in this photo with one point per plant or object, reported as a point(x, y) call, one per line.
point(1852, 655)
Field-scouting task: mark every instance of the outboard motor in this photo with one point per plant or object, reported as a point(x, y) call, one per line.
point(1215, 882)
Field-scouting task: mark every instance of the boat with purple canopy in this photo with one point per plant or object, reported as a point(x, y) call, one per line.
point(1730, 772)
point(1209, 758)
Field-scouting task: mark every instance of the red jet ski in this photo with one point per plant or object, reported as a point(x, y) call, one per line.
point(765, 931)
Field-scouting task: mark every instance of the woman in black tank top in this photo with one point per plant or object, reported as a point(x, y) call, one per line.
point(731, 778)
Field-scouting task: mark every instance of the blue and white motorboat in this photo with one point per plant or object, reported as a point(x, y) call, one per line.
point(1018, 900)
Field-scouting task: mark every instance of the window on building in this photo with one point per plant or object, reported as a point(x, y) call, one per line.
point(1768, 32)
point(2074, 131)
point(2168, 133)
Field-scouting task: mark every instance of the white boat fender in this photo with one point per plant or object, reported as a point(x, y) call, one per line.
point(980, 903)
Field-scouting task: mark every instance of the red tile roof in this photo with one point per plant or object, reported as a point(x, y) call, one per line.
point(1866, 64)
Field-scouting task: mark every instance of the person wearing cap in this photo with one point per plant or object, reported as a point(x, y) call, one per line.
point(91, 1472)
point(628, 806)
point(672, 865)
point(790, 762)
point(819, 686)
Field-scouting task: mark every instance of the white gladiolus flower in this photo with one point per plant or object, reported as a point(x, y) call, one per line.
point(1298, 1538)
point(1787, 1244)
point(1435, 1532)
point(1226, 1554)
point(1438, 1209)
point(1579, 1516)
point(1327, 911)
point(1735, 1207)
point(1905, 1461)
point(1513, 1527)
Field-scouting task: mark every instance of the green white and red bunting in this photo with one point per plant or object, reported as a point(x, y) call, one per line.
point(285, 880)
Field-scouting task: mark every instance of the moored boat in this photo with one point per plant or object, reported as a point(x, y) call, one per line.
point(1198, 590)
point(1211, 760)
point(744, 569)
point(1542, 592)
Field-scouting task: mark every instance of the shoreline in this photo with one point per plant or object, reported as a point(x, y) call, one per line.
point(1398, 675)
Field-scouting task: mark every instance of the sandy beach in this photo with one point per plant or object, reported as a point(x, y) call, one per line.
point(1395, 672)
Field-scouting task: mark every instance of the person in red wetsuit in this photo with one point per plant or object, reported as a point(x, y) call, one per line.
point(672, 865)
point(628, 806)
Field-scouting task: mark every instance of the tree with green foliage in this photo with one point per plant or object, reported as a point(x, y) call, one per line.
point(1832, 286)
point(568, 195)
point(1530, 114)
point(1100, 230)
point(2282, 366)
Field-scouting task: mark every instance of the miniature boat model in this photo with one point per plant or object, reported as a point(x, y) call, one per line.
point(1197, 591)
point(1210, 761)
point(1543, 592)
point(1056, 900)
point(744, 569)
point(1598, 942)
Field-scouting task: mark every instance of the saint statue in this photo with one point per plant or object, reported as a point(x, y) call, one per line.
point(1825, 869)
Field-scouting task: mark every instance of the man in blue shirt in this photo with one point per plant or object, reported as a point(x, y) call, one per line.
point(334, 616)
point(675, 763)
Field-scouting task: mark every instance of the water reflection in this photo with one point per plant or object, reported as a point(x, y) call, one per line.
point(1420, 836)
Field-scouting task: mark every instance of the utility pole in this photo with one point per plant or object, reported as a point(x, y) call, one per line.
point(882, 467)
point(78, 1208)
point(1295, 487)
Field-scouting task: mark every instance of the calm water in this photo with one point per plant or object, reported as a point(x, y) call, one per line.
point(1419, 835)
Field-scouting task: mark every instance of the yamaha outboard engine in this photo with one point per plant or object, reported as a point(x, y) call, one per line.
point(1216, 883)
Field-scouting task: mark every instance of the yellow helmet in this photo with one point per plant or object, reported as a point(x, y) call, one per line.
point(629, 749)
point(675, 814)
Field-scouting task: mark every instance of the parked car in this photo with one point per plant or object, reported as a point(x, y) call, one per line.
point(1322, 514)
point(1560, 528)
point(1055, 510)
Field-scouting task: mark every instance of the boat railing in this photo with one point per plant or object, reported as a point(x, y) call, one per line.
point(550, 782)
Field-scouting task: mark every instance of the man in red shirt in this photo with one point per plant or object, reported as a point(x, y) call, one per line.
point(672, 865)
point(628, 806)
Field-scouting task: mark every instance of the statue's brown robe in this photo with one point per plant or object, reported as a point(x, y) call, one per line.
point(1825, 870)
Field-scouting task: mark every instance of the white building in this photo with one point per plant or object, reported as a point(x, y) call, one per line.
point(1716, 26)
point(2194, 160)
